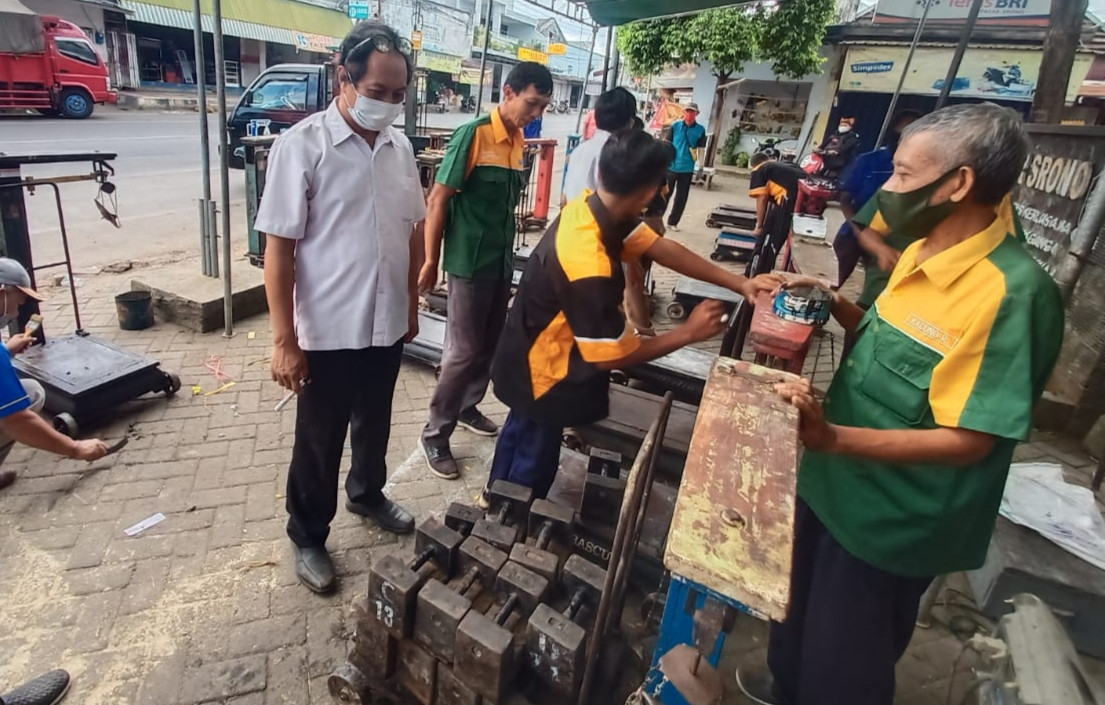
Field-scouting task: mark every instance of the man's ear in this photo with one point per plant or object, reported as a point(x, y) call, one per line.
point(967, 178)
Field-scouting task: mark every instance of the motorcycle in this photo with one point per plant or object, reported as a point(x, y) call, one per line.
point(468, 104)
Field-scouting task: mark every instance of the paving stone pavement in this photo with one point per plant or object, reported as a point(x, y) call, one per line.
point(204, 607)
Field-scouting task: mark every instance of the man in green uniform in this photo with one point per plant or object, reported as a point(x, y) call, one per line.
point(472, 208)
point(905, 463)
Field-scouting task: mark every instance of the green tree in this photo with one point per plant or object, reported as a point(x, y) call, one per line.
point(792, 36)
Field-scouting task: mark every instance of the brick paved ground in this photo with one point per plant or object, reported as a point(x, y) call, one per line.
point(204, 607)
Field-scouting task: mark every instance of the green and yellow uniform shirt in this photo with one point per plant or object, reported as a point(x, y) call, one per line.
point(484, 162)
point(966, 339)
point(875, 278)
point(566, 317)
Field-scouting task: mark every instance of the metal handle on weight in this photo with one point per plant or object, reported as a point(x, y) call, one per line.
point(506, 609)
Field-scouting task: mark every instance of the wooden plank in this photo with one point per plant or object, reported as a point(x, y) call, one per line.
point(734, 518)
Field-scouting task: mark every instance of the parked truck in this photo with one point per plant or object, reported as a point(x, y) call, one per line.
point(48, 65)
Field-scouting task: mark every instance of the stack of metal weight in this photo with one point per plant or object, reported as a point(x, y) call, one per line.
point(492, 607)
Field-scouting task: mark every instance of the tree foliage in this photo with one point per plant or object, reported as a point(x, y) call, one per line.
point(788, 36)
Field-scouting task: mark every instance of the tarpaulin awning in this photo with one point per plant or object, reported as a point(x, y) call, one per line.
point(617, 12)
point(273, 20)
point(20, 29)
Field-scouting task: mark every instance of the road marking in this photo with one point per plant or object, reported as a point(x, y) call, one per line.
point(101, 139)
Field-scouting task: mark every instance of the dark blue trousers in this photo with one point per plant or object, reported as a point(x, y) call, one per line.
point(848, 624)
point(527, 453)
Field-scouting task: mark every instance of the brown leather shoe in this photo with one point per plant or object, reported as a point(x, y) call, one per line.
point(6, 478)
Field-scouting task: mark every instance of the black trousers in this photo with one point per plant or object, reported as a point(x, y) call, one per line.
point(349, 389)
point(848, 624)
point(680, 186)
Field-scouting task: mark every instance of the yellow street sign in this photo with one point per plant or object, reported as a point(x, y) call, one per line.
point(526, 54)
point(558, 49)
point(416, 40)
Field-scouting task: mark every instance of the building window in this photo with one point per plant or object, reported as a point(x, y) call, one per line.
point(79, 50)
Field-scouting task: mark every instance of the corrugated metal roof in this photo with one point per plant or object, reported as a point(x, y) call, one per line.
point(286, 17)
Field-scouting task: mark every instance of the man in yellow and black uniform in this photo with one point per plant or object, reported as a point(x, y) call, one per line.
point(774, 185)
point(566, 331)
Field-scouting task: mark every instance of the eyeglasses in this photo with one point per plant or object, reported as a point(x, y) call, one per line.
point(383, 43)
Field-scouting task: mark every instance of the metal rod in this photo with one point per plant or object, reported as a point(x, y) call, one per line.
point(483, 56)
point(905, 72)
point(224, 166)
point(960, 50)
point(606, 60)
point(205, 140)
point(587, 77)
point(212, 239)
point(635, 487)
point(68, 260)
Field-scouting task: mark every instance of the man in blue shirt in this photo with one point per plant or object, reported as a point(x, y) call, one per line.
point(858, 185)
point(20, 400)
point(688, 137)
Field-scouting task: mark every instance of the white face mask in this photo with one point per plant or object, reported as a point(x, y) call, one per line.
point(374, 115)
point(844, 128)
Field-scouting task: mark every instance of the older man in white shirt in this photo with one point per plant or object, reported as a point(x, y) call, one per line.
point(341, 211)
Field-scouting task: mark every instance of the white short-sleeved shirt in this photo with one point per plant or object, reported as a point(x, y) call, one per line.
point(583, 166)
point(351, 209)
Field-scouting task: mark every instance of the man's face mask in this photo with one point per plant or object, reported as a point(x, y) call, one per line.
point(844, 128)
point(910, 211)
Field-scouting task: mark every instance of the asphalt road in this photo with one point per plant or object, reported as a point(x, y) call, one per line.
point(157, 178)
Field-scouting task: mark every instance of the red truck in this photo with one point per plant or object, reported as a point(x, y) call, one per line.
point(48, 65)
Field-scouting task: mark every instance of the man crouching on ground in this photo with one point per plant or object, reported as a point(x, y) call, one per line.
point(565, 331)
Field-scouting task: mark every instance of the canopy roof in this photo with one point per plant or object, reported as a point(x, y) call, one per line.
point(617, 12)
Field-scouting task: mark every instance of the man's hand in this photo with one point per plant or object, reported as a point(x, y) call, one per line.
point(19, 342)
point(427, 278)
point(89, 450)
point(888, 258)
point(289, 366)
point(761, 282)
point(412, 324)
point(816, 433)
point(797, 281)
point(758, 231)
point(705, 321)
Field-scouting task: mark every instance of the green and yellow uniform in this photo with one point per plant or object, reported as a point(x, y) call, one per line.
point(484, 162)
point(966, 339)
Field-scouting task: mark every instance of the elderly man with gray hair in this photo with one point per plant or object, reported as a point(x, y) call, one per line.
point(906, 458)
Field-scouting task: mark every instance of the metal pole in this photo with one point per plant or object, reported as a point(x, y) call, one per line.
point(410, 106)
point(905, 71)
point(960, 50)
point(587, 77)
point(483, 56)
point(606, 59)
point(224, 165)
point(616, 62)
point(1082, 240)
point(205, 141)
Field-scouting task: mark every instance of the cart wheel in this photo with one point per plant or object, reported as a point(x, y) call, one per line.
point(676, 310)
point(348, 686)
point(619, 377)
point(66, 424)
point(172, 383)
point(711, 223)
point(716, 256)
point(572, 442)
point(652, 609)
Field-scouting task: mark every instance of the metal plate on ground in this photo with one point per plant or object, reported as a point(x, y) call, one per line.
point(704, 290)
point(691, 363)
point(430, 341)
point(734, 517)
point(76, 364)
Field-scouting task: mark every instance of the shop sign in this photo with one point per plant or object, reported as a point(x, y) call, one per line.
point(1054, 185)
point(416, 40)
point(358, 9)
point(1003, 74)
point(994, 12)
point(439, 62)
point(471, 77)
point(556, 49)
point(527, 54)
point(443, 30)
point(315, 42)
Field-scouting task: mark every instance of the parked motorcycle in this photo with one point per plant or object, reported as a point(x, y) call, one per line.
point(468, 104)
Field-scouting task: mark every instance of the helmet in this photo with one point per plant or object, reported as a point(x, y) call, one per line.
point(804, 304)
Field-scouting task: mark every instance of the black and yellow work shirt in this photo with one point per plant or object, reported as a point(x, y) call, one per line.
point(777, 180)
point(566, 317)
point(484, 162)
point(965, 339)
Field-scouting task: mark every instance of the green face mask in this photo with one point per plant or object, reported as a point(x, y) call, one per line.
point(911, 213)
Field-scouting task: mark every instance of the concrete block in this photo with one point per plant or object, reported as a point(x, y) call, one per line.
point(1094, 441)
point(182, 295)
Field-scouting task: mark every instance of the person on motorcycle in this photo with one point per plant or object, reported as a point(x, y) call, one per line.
point(838, 150)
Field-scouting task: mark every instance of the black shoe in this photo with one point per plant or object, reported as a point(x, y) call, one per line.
point(314, 568)
point(758, 686)
point(48, 689)
point(477, 423)
point(440, 461)
point(389, 515)
point(6, 478)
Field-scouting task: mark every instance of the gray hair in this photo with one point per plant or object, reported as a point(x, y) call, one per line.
point(986, 137)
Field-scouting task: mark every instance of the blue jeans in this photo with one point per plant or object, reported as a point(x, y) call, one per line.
point(527, 453)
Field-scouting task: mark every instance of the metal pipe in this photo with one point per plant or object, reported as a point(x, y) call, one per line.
point(1082, 240)
point(483, 56)
point(224, 165)
point(960, 50)
point(68, 260)
point(205, 140)
point(606, 59)
point(587, 77)
point(634, 492)
point(905, 72)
